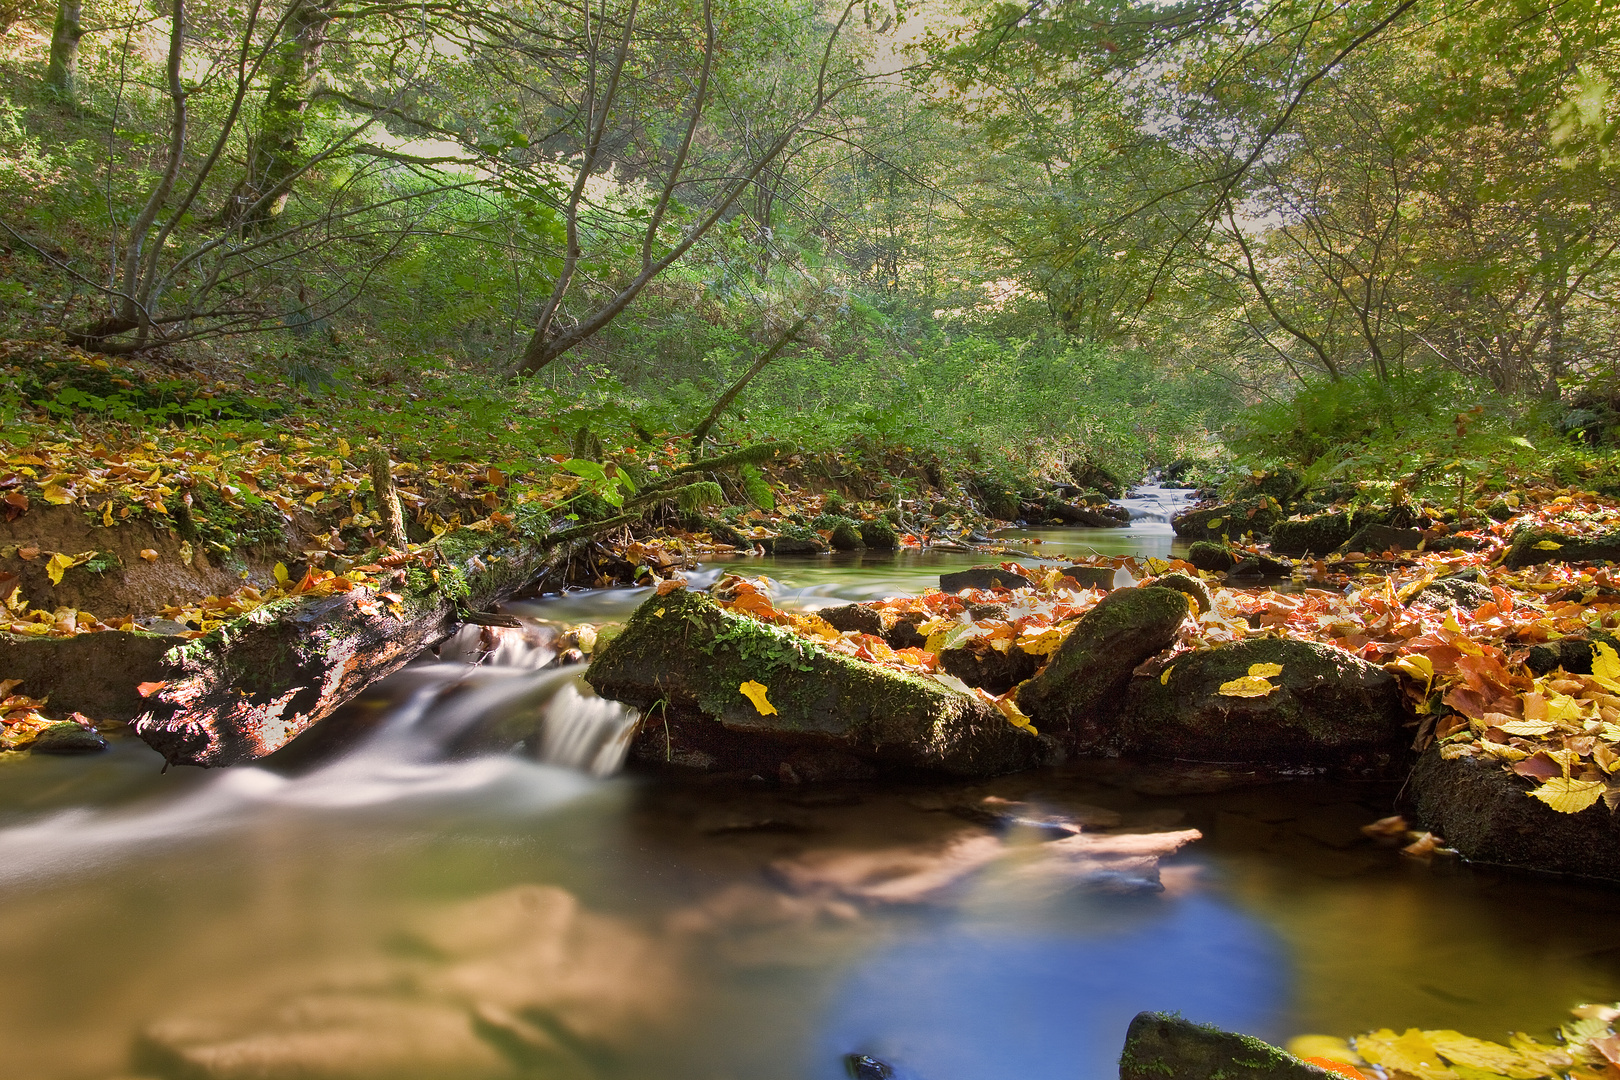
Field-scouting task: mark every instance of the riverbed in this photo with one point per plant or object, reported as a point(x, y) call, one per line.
point(497, 915)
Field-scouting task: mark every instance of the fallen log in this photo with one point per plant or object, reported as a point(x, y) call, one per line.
point(1075, 514)
point(249, 687)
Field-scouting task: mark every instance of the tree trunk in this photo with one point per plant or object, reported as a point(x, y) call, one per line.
point(274, 154)
point(62, 71)
point(701, 432)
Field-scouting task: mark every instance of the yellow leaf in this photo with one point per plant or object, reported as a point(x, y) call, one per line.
point(1548, 545)
point(106, 513)
point(1323, 1046)
point(1041, 642)
point(1460, 1049)
point(1265, 671)
point(1247, 686)
point(282, 577)
point(314, 497)
point(61, 562)
point(1527, 728)
point(1568, 796)
point(1417, 667)
point(55, 493)
point(755, 692)
point(343, 448)
point(1214, 523)
point(1409, 1053)
point(1164, 679)
point(1606, 666)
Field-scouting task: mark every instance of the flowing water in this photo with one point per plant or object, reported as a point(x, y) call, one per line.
point(411, 907)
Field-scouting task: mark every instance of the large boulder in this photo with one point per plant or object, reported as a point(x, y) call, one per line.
point(1256, 515)
point(1533, 546)
point(1487, 814)
point(1375, 539)
point(1315, 535)
point(683, 660)
point(1467, 589)
point(1328, 708)
point(1166, 1047)
point(1072, 698)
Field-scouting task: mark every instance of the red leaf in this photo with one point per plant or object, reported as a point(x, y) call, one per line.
point(147, 689)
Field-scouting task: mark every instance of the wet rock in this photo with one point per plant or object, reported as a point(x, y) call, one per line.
point(1259, 566)
point(879, 535)
point(1163, 1047)
point(1487, 814)
point(1077, 689)
point(902, 632)
point(990, 669)
point(983, 577)
point(683, 660)
point(1329, 709)
point(1465, 590)
point(1185, 583)
point(1091, 577)
point(68, 738)
point(1211, 557)
point(823, 766)
point(1091, 517)
point(95, 674)
point(1533, 546)
point(846, 536)
point(854, 617)
point(1377, 539)
point(1316, 535)
point(862, 1067)
point(1573, 654)
point(1256, 515)
point(801, 542)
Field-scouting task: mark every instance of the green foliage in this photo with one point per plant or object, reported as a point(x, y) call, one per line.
point(756, 488)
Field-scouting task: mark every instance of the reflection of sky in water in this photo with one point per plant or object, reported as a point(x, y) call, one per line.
point(979, 1004)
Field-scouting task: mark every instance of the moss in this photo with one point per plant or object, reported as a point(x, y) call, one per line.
point(1191, 586)
point(1534, 546)
point(1210, 556)
point(1314, 535)
point(879, 535)
point(1253, 515)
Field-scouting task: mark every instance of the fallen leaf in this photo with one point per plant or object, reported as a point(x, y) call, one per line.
point(149, 554)
point(1246, 687)
point(1264, 671)
point(1568, 796)
point(147, 689)
point(755, 692)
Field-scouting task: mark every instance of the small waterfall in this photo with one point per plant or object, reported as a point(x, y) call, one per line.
point(1150, 502)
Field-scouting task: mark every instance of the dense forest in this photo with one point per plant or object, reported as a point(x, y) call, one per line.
point(1023, 233)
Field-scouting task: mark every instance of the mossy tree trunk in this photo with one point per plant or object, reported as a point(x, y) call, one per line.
point(275, 152)
point(62, 71)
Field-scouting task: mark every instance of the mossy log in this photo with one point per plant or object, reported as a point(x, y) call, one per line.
point(252, 685)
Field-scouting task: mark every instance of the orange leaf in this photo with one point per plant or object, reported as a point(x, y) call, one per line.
point(147, 689)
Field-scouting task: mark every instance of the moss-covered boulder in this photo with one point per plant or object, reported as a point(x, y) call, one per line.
point(1163, 1047)
point(1533, 546)
point(1326, 708)
point(857, 617)
point(1256, 515)
point(879, 535)
point(1487, 814)
point(1211, 557)
point(1316, 535)
point(1074, 696)
point(1466, 589)
point(1283, 484)
point(983, 577)
point(684, 661)
point(1375, 539)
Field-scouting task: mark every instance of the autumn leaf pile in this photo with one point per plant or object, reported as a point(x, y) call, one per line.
point(1587, 1049)
point(21, 718)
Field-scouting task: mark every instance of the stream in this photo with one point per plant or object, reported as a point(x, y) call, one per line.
point(400, 907)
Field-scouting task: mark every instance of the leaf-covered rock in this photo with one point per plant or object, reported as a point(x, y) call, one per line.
point(682, 660)
point(1329, 709)
point(1073, 697)
point(1164, 1047)
point(1531, 547)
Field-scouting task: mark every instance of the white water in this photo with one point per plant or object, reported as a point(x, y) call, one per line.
point(1149, 502)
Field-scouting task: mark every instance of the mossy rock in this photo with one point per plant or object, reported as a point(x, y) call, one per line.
point(989, 669)
point(879, 535)
point(1573, 654)
point(1531, 547)
point(1073, 696)
point(1163, 1047)
point(983, 577)
point(1375, 539)
point(846, 536)
point(1487, 814)
point(1088, 474)
point(1465, 590)
point(1255, 515)
point(854, 617)
point(1330, 709)
point(68, 738)
point(682, 660)
point(1211, 557)
point(1316, 535)
point(1091, 577)
point(1186, 583)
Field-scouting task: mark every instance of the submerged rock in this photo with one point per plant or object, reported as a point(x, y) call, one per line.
point(1533, 546)
point(1488, 814)
point(1073, 694)
point(68, 738)
point(1163, 1047)
point(1328, 709)
point(683, 661)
